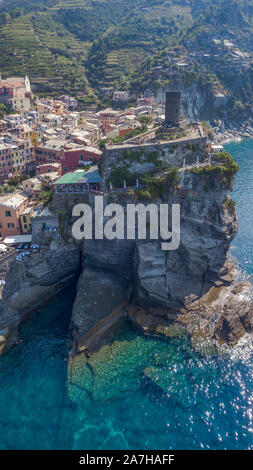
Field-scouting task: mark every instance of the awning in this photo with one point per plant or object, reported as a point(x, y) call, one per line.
point(217, 147)
point(12, 240)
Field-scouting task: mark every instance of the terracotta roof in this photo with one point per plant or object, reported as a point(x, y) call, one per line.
point(13, 81)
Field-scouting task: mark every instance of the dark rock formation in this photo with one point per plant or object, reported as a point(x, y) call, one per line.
point(207, 229)
point(169, 288)
point(235, 319)
point(32, 282)
point(175, 292)
point(101, 295)
point(218, 319)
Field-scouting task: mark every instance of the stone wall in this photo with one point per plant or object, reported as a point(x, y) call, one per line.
point(68, 200)
point(144, 159)
point(38, 227)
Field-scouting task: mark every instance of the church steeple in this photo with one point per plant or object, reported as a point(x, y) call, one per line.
point(27, 84)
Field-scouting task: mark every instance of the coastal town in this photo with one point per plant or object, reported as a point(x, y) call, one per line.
point(47, 146)
point(126, 262)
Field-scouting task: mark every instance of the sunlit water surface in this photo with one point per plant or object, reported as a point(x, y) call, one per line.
point(191, 403)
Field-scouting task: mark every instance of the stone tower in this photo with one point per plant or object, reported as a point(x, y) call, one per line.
point(172, 107)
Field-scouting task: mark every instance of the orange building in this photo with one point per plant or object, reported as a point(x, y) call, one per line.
point(11, 208)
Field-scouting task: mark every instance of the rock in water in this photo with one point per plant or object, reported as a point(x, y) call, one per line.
point(98, 308)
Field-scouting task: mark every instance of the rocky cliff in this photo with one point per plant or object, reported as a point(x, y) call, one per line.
point(171, 292)
point(202, 102)
point(31, 282)
point(190, 290)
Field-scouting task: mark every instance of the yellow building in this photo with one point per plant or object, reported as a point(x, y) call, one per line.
point(25, 220)
point(36, 137)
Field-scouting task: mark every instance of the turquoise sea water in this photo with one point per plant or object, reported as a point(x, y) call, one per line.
point(192, 403)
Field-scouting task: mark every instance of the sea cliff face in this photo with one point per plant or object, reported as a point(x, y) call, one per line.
point(167, 291)
point(163, 284)
point(170, 278)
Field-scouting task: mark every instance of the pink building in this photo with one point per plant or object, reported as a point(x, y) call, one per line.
point(73, 158)
point(48, 168)
point(15, 87)
point(50, 152)
point(3, 126)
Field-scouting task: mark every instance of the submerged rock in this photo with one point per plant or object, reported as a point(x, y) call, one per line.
point(98, 308)
point(219, 318)
point(154, 322)
point(174, 386)
point(235, 320)
point(9, 329)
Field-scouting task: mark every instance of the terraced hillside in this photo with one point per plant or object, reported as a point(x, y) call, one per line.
point(69, 54)
point(84, 47)
point(119, 62)
point(52, 57)
point(53, 45)
point(21, 52)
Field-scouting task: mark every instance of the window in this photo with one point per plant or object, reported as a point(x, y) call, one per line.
point(8, 213)
point(25, 226)
point(24, 217)
point(11, 225)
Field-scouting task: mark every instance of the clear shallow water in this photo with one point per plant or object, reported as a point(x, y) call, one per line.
point(137, 392)
point(242, 247)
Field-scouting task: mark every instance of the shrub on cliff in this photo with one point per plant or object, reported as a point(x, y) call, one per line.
point(46, 197)
point(119, 175)
point(228, 161)
point(133, 156)
point(142, 195)
point(226, 167)
point(158, 187)
point(230, 205)
point(207, 129)
point(152, 157)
